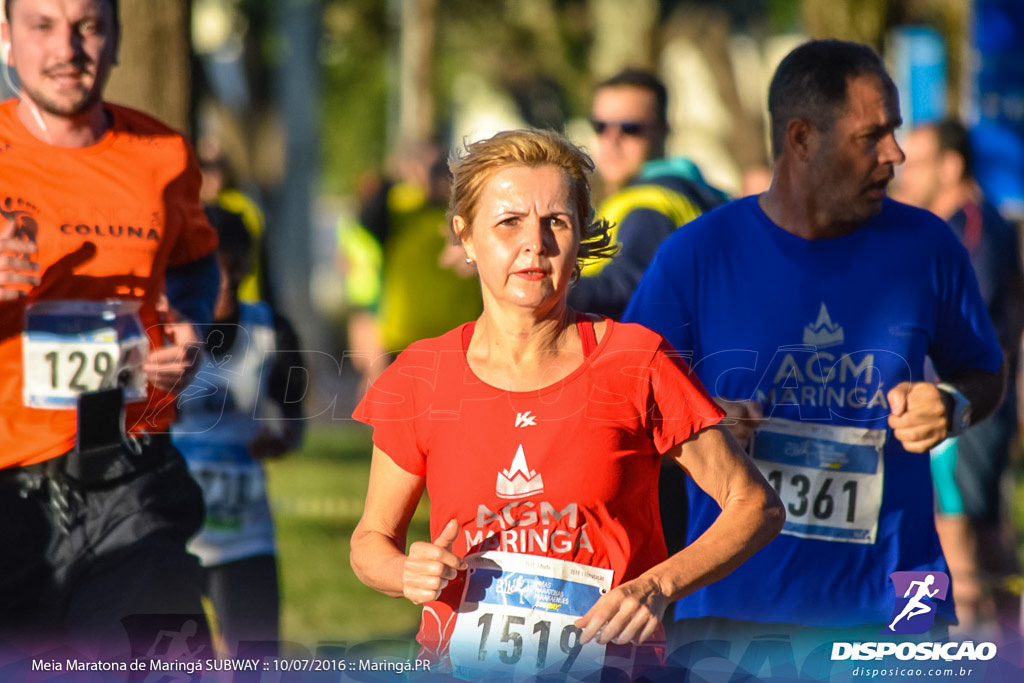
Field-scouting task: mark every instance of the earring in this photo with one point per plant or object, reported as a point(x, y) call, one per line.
point(469, 261)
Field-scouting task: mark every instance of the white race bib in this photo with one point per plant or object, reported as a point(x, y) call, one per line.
point(829, 477)
point(70, 347)
point(232, 482)
point(516, 617)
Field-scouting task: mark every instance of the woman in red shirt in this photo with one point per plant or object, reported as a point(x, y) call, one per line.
point(538, 432)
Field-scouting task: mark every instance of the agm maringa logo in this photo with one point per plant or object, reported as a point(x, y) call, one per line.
point(917, 596)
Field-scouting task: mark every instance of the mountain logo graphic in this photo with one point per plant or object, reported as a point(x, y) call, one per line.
point(518, 481)
point(823, 332)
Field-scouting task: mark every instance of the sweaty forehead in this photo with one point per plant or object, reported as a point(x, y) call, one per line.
point(517, 183)
point(868, 97)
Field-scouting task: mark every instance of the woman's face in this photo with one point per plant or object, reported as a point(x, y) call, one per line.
point(524, 237)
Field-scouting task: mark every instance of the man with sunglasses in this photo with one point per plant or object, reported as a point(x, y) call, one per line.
point(629, 114)
point(648, 196)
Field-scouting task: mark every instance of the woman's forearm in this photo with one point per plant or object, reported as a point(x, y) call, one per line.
point(378, 562)
point(745, 525)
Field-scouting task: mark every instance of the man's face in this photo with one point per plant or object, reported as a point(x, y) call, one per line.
point(628, 132)
point(63, 51)
point(852, 163)
point(918, 181)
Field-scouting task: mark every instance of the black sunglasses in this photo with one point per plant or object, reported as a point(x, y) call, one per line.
point(631, 128)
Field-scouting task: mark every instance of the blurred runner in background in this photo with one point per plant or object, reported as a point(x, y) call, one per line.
point(237, 413)
point(973, 520)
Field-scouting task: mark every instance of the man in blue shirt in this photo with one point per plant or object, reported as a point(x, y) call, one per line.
point(808, 311)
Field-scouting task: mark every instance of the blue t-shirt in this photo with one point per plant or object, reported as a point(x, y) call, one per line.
point(818, 331)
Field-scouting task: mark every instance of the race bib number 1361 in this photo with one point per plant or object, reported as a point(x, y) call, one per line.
point(829, 477)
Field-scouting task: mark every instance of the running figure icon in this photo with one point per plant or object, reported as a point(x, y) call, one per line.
point(916, 606)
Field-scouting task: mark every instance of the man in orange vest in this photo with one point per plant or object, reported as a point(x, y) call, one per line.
point(100, 220)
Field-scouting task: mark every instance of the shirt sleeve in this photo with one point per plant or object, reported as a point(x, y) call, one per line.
point(964, 335)
point(679, 405)
point(389, 406)
point(196, 238)
point(658, 302)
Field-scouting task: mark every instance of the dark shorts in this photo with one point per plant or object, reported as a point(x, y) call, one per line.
point(968, 478)
point(77, 557)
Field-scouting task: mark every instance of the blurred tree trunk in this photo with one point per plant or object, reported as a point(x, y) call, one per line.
point(542, 19)
point(956, 26)
point(416, 102)
point(624, 35)
point(154, 72)
point(863, 21)
point(709, 29)
point(870, 21)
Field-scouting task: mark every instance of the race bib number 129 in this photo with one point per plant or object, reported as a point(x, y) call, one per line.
point(516, 617)
point(70, 347)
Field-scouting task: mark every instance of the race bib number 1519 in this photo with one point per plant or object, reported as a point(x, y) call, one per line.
point(516, 617)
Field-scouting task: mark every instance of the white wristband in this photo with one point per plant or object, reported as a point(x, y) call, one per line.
point(960, 418)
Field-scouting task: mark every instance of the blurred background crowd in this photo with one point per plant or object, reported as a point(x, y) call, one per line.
point(314, 110)
point(327, 124)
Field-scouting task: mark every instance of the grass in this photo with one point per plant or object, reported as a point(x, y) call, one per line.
point(317, 497)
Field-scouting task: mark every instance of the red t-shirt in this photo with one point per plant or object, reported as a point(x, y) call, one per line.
point(568, 471)
point(108, 220)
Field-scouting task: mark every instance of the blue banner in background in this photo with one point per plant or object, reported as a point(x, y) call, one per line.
point(995, 108)
point(919, 69)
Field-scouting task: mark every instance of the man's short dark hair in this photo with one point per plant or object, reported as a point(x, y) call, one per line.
point(952, 136)
point(810, 83)
point(646, 80)
point(114, 10)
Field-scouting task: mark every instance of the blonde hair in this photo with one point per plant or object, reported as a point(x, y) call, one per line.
point(532, 148)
